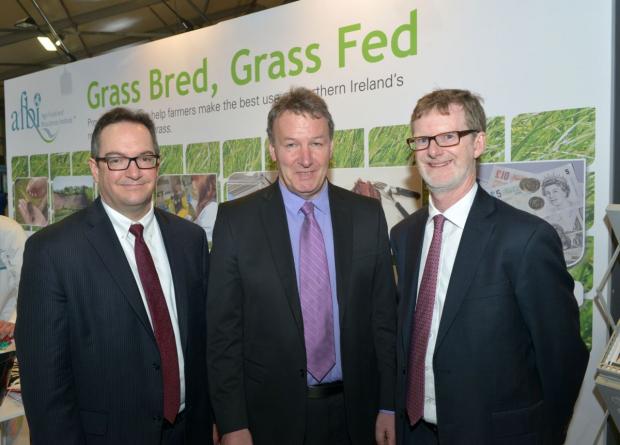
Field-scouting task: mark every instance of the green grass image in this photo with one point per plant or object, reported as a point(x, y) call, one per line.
point(79, 163)
point(496, 137)
point(60, 164)
point(348, 148)
point(72, 192)
point(19, 166)
point(241, 155)
point(589, 200)
point(269, 164)
point(387, 146)
point(583, 270)
point(585, 322)
point(561, 134)
point(171, 161)
point(203, 157)
point(39, 165)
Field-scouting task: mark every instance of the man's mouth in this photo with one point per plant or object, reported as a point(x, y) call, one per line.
point(438, 164)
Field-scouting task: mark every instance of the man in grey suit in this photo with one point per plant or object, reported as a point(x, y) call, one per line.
point(301, 308)
point(111, 326)
point(488, 346)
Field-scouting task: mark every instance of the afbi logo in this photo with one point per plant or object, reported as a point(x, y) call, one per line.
point(28, 117)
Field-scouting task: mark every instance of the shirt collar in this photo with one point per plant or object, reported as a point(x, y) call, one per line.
point(458, 212)
point(293, 202)
point(121, 223)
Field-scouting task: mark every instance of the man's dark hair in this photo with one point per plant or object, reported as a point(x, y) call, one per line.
point(116, 115)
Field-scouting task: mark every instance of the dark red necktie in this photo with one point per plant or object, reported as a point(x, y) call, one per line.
point(422, 325)
point(162, 326)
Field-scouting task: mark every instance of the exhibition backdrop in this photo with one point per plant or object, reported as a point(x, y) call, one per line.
point(543, 68)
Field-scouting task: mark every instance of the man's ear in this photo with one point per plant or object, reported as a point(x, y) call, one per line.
point(480, 144)
point(272, 152)
point(94, 169)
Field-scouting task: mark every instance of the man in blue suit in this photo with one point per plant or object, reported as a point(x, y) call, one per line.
point(111, 331)
point(488, 344)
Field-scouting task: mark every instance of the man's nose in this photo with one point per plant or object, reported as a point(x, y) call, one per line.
point(305, 156)
point(133, 169)
point(433, 149)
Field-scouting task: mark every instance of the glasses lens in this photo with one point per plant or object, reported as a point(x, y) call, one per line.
point(420, 143)
point(146, 161)
point(448, 139)
point(117, 163)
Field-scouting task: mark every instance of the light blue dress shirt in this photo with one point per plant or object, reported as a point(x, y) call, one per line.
point(295, 219)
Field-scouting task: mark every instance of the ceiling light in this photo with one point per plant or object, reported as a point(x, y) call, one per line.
point(47, 43)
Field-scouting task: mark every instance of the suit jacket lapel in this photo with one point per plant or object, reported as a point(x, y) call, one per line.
point(476, 234)
point(274, 222)
point(411, 271)
point(342, 226)
point(102, 237)
point(177, 268)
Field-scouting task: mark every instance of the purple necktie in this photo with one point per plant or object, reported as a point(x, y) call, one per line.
point(422, 326)
point(162, 326)
point(316, 297)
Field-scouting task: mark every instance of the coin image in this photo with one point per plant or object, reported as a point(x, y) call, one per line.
point(536, 202)
point(529, 184)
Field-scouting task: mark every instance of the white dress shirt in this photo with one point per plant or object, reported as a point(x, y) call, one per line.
point(155, 243)
point(456, 216)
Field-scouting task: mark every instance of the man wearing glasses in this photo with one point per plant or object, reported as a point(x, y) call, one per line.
point(111, 314)
point(488, 347)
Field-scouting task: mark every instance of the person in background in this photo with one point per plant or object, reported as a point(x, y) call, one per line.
point(489, 348)
point(12, 241)
point(205, 203)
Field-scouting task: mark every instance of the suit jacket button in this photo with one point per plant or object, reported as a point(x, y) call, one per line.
point(156, 366)
point(157, 418)
point(302, 373)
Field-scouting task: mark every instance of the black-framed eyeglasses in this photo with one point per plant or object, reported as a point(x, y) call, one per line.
point(144, 162)
point(448, 139)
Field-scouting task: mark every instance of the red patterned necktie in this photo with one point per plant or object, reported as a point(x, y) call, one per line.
point(422, 325)
point(316, 297)
point(162, 326)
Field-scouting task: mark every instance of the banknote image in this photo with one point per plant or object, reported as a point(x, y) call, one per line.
point(552, 190)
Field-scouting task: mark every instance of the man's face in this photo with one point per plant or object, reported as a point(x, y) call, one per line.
point(126, 191)
point(302, 148)
point(448, 171)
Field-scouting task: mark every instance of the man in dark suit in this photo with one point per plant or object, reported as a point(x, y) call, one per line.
point(302, 305)
point(111, 333)
point(488, 343)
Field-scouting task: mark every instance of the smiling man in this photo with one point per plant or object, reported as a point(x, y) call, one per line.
point(111, 327)
point(488, 346)
point(302, 309)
